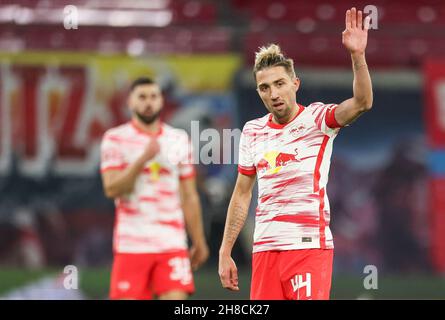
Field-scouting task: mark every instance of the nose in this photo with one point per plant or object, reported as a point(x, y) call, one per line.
point(273, 93)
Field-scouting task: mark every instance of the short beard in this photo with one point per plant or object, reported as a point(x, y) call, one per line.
point(280, 117)
point(148, 119)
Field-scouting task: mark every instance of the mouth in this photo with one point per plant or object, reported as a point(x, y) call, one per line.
point(148, 116)
point(147, 113)
point(278, 105)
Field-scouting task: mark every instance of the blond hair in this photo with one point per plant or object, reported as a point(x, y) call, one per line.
point(271, 56)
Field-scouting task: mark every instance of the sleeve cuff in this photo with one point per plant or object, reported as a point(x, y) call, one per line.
point(248, 171)
point(331, 122)
point(188, 176)
point(119, 167)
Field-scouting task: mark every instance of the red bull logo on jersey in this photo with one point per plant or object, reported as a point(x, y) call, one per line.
point(273, 161)
point(155, 170)
point(297, 130)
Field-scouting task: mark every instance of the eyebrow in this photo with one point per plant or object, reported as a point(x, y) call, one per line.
point(266, 84)
point(148, 94)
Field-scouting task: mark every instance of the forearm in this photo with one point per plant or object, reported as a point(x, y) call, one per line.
point(193, 219)
point(123, 183)
point(236, 217)
point(362, 85)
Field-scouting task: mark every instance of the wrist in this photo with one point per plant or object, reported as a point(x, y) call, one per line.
point(358, 61)
point(140, 163)
point(199, 243)
point(225, 252)
point(358, 57)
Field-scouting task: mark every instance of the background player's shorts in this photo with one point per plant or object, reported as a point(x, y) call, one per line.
point(292, 275)
point(139, 275)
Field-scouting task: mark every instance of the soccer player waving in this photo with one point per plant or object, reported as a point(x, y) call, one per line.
point(288, 151)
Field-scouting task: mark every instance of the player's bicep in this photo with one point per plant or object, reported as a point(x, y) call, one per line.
point(348, 111)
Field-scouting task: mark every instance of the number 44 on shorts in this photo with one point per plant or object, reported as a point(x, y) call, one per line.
point(181, 270)
point(300, 281)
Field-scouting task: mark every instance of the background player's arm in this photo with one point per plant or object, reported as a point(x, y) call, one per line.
point(355, 39)
point(120, 182)
point(191, 207)
point(236, 216)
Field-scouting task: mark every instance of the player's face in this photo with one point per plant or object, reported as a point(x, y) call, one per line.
point(145, 102)
point(278, 91)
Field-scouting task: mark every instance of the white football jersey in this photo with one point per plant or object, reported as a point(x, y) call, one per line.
point(150, 219)
point(291, 162)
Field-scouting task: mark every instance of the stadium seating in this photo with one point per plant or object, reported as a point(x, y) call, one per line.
point(310, 31)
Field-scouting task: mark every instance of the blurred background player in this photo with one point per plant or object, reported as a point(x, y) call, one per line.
point(289, 152)
point(146, 167)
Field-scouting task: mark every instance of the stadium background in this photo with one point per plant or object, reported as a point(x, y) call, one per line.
point(60, 89)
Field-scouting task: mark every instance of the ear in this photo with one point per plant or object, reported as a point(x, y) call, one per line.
point(297, 83)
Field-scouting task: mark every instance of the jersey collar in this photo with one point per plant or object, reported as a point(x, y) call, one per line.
point(151, 134)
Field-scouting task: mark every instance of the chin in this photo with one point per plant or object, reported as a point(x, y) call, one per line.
point(281, 114)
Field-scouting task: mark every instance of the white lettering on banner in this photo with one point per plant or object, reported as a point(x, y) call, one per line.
point(298, 282)
point(440, 101)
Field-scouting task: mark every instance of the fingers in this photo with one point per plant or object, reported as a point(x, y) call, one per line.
point(192, 255)
point(153, 145)
point(234, 279)
point(359, 19)
point(156, 144)
point(348, 19)
point(194, 264)
point(195, 261)
point(198, 257)
point(229, 278)
point(367, 23)
point(226, 280)
point(353, 18)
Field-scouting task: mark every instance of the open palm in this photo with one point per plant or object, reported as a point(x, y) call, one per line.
point(355, 36)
